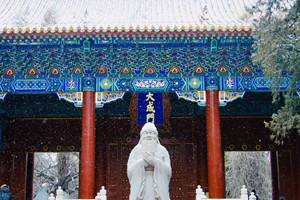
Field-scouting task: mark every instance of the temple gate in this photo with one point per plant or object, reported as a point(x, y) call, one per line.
point(75, 89)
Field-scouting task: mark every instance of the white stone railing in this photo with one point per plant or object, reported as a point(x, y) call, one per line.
point(200, 195)
point(59, 195)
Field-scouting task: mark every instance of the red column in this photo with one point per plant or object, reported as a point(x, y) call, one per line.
point(214, 150)
point(87, 171)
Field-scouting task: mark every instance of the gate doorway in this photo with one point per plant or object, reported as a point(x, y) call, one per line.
point(252, 169)
point(56, 169)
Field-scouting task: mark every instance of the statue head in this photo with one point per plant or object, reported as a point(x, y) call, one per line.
point(147, 128)
point(149, 137)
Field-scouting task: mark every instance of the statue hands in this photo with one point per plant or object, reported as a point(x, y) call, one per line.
point(150, 159)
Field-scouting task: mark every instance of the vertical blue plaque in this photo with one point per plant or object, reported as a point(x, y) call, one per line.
point(150, 108)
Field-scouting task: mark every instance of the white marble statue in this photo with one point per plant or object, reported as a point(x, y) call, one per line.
point(149, 168)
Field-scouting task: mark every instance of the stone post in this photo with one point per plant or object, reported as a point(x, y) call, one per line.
point(244, 193)
point(59, 194)
point(51, 197)
point(252, 196)
point(200, 194)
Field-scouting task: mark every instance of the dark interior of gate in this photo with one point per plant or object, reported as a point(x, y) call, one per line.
point(42, 123)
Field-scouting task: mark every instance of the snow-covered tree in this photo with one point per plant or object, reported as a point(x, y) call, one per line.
point(251, 169)
point(57, 169)
point(277, 51)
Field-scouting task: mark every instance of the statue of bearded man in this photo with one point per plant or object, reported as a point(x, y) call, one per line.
point(149, 167)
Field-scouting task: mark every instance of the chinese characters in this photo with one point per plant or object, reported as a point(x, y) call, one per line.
point(150, 108)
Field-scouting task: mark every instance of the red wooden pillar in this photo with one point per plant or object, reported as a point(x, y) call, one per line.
point(214, 149)
point(87, 171)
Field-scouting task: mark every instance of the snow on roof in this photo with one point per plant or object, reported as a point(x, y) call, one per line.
point(122, 15)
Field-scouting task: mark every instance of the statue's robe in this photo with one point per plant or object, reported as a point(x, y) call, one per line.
point(148, 183)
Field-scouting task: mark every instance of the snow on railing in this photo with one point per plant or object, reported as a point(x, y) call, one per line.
point(59, 195)
point(200, 195)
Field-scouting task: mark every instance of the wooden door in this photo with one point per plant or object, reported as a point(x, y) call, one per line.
point(18, 176)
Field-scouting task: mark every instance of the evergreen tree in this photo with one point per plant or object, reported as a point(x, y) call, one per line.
point(277, 51)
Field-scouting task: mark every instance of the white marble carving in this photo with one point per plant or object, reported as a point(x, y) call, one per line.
point(149, 167)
